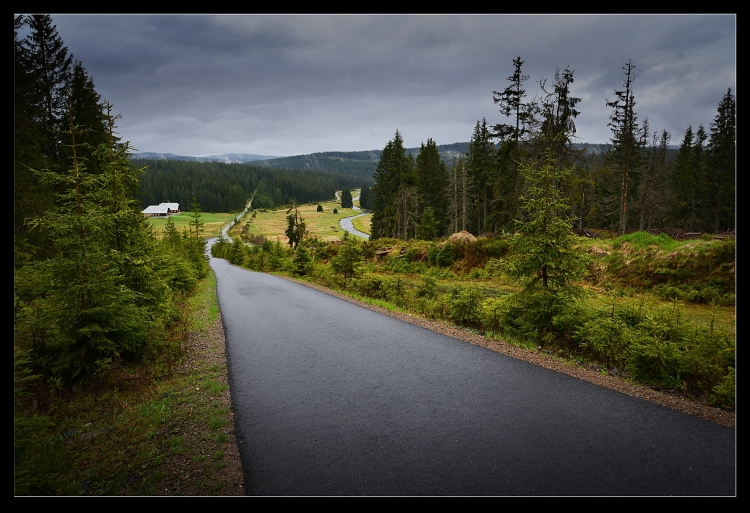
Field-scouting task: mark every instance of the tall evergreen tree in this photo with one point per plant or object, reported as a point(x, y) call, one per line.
point(722, 148)
point(558, 116)
point(30, 198)
point(296, 227)
point(481, 166)
point(626, 143)
point(87, 111)
point(459, 195)
point(101, 298)
point(689, 181)
point(654, 194)
point(431, 180)
point(346, 199)
point(544, 241)
point(392, 193)
point(50, 69)
point(365, 197)
point(511, 136)
point(511, 102)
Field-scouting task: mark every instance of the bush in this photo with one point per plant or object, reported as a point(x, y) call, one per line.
point(445, 256)
point(302, 261)
point(723, 393)
point(464, 305)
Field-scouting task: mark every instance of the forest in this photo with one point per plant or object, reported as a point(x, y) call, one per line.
point(95, 290)
point(635, 183)
point(221, 187)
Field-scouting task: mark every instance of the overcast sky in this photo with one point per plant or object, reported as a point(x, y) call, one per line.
point(295, 84)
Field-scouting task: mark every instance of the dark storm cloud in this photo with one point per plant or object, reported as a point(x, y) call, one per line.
point(296, 84)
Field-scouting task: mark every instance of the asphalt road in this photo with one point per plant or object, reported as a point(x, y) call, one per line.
point(331, 398)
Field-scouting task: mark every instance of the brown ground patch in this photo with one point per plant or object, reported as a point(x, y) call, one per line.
point(196, 470)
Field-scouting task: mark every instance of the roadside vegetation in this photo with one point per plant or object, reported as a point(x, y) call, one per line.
point(642, 307)
point(159, 427)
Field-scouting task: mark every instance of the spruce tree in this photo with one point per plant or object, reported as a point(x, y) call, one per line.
point(365, 197)
point(558, 111)
point(654, 194)
point(99, 301)
point(393, 191)
point(544, 243)
point(296, 227)
point(431, 181)
point(722, 148)
point(50, 69)
point(626, 144)
point(346, 199)
point(511, 137)
point(481, 168)
point(30, 198)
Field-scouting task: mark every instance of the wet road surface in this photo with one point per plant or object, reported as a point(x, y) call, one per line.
point(331, 398)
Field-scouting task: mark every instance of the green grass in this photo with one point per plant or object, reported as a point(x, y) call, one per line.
point(272, 224)
point(213, 222)
point(643, 239)
point(363, 223)
point(203, 304)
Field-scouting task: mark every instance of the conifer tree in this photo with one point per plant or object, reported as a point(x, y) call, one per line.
point(50, 69)
point(481, 168)
point(346, 199)
point(722, 148)
point(296, 227)
point(459, 194)
point(392, 192)
point(94, 306)
point(558, 110)
point(627, 144)
point(511, 102)
point(544, 241)
point(431, 180)
point(511, 137)
point(365, 197)
point(30, 198)
point(654, 194)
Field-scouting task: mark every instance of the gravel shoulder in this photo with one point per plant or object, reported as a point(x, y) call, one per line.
point(188, 470)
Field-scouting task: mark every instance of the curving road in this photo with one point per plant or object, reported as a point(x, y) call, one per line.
point(334, 399)
point(346, 223)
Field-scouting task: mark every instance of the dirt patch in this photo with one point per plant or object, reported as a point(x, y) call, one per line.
point(196, 469)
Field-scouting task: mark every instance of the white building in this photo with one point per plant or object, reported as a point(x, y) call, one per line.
point(156, 211)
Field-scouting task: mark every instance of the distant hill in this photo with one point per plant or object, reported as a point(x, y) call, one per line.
point(360, 163)
point(229, 158)
point(357, 163)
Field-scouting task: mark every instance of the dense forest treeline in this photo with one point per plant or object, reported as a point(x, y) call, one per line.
point(221, 187)
point(635, 182)
point(359, 163)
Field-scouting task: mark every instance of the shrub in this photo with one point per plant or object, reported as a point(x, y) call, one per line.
point(723, 393)
point(445, 256)
point(464, 305)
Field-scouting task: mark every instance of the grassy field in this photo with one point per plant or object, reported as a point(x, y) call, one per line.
point(213, 223)
point(272, 224)
point(362, 223)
